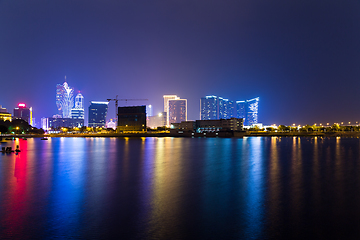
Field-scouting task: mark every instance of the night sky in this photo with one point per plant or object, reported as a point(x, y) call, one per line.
point(301, 58)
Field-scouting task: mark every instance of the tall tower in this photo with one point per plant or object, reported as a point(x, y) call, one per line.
point(77, 111)
point(64, 99)
point(252, 108)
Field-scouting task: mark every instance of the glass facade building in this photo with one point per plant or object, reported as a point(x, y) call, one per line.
point(213, 108)
point(64, 99)
point(226, 108)
point(252, 107)
point(209, 108)
point(97, 114)
point(241, 109)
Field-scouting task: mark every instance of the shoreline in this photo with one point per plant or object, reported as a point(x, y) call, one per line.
point(188, 135)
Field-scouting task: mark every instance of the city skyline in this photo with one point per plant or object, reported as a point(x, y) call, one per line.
point(300, 58)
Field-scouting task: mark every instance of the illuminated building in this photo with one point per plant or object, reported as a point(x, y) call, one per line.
point(209, 108)
point(131, 119)
point(4, 116)
point(111, 124)
point(226, 108)
point(97, 113)
point(166, 106)
point(24, 113)
point(241, 109)
point(149, 110)
point(44, 123)
point(3, 110)
point(157, 120)
point(77, 111)
point(57, 123)
point(252, 107)
point(177, 110)
point(64, 99)
point(213, 107)
point(208, 126)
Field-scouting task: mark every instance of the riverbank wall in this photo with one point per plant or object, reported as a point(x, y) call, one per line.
point(209, 134)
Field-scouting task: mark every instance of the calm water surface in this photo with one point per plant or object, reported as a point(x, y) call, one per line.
point(181, 188)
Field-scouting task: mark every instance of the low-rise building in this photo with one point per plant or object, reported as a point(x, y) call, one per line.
point(157, 120)
point(56, 123)
point(200, 126)
point(4, 116)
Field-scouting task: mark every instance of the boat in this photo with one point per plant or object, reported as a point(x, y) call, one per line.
point(44, 138)
point(17, 149)
point(7, 150)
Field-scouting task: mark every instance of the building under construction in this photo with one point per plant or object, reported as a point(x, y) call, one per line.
point(131, 119)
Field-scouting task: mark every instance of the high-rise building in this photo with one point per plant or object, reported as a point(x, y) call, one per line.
point(166, 106)
point(149, 110)
point(77, 111)
point(97, 114)
point(64, 99)
point(226, 108)
point(209, 108)
point(213, 108)
point(252, 107)
point(177, 110)
point(241, 109)
point(24, 113)
point(131, 119)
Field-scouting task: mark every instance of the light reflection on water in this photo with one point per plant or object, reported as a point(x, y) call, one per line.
point(181, 188)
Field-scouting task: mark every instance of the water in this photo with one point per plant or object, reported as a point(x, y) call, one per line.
point(181, 188)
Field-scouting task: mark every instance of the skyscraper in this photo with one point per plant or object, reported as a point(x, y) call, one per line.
point(78, 110)
point(24, 113)
point(240, 109)
point(226, 108)
point(97, 113)
point(64, 99)
point(177, 110)
point(213, 108)
point(252, 106)
point(209, 108)
point(149, 110)
point(166, 106)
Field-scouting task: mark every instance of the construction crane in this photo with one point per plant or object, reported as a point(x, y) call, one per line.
point(125, 99)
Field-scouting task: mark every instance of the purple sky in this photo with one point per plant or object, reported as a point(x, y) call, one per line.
point(301, 57)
